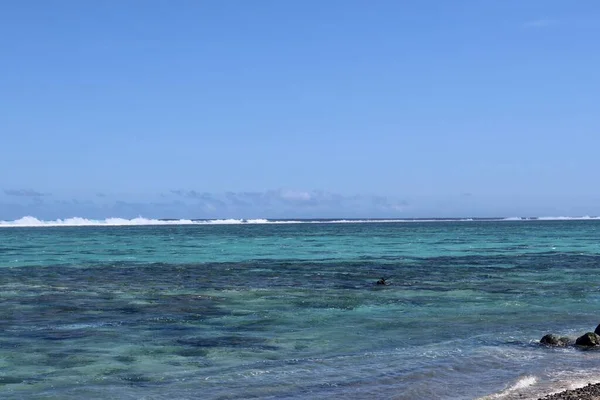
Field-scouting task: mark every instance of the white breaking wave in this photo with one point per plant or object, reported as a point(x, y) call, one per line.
point(585, 217)
point(77, 221)
point(140, 221)
point(521, 384)
point(30, 221)
point(530, 387)
point(581, 218)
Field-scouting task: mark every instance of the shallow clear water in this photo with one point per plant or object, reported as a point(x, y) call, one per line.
point(292, 311)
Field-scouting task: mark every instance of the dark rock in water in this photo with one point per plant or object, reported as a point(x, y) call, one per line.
point(597, 331)
point(554, 340)
point(589, 339)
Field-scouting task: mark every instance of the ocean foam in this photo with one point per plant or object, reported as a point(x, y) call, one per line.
point(532, 387)
point(139, 221)
point(580, 218)
point(30, 221)
point(78, 221)
point(522, 383)
point(583, 218)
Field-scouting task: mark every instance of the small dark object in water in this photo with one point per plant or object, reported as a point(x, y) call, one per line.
point(381, 281)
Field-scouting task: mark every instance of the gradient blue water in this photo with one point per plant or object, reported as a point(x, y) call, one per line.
point(292, 311)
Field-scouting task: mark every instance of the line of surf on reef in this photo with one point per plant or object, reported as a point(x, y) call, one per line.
point(30, 221)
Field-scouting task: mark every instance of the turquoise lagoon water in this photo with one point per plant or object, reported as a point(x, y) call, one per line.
point(291, 311)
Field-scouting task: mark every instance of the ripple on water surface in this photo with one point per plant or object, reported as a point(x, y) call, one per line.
point(211, 313)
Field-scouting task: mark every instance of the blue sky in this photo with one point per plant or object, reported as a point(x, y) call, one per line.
point(334, 108)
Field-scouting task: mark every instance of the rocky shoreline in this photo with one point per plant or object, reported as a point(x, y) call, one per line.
point(586, 341)
point(589, 392)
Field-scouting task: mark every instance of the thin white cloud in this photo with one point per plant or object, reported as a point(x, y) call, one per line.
point(24, 193)
point(540, 23)
point(279, 203)
point(295, 195)
point(285, 203)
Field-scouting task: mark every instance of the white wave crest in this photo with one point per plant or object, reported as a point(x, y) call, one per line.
point(580, 218)
point(531, 387)
point(30, 221)
point(521, 384)
point(77, 221)
point(524, 382)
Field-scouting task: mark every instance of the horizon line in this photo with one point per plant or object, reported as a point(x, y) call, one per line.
point(30, 222)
